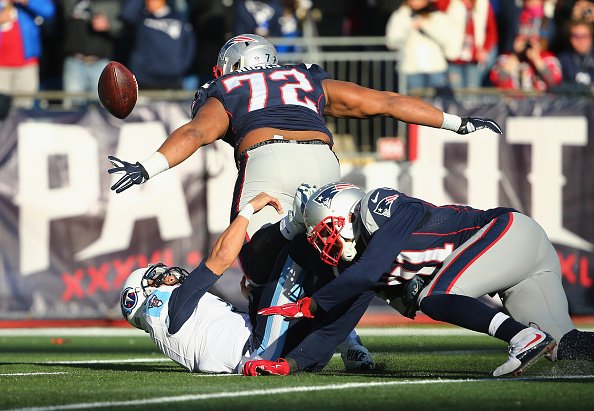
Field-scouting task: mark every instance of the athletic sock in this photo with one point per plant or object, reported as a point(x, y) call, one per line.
point(471, 314)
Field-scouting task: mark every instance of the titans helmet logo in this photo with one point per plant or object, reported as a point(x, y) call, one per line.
point(128, 301)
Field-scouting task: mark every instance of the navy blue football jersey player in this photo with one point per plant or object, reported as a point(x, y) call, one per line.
point(441, 259)
point(273, 116)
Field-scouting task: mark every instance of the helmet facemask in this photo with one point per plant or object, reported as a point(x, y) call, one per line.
point(327, 239)
point(157, 274)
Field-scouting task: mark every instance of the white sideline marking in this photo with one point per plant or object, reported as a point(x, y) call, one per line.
point(274, 391)
point(26, 374)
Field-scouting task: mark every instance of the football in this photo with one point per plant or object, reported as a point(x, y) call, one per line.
point(118, 90)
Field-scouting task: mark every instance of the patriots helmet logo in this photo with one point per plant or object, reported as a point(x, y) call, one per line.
point(325, 197)
point(128, 301)
point(383, 206)
point(235, 40)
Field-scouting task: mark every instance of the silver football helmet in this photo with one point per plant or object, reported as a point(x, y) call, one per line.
point(243, 51)
point(327, 217)
point(140, 284)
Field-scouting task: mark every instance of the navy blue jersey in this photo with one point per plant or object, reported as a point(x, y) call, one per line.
point(405, 236)
point(283, 97)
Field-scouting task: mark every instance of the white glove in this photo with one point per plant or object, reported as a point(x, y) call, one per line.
point(293, 224)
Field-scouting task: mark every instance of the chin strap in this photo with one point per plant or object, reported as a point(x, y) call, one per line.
point(348, 250)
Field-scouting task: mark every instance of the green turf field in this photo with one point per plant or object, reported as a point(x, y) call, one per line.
point(434, 368)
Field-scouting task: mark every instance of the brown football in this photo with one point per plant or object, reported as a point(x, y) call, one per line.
point(118, 90)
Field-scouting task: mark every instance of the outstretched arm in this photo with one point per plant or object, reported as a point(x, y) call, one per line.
point(209, 124)
point(345, 99)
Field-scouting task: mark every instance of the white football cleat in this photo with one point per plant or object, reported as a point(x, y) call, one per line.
point(356, 358)
point(524, 349)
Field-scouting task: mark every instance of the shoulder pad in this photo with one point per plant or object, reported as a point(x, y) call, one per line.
point(200, 97)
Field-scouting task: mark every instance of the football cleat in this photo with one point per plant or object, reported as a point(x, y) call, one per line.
point(356, 358)
point(525, 349)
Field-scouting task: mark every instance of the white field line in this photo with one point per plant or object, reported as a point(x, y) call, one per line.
point(112, 361)
point(274, 391)
point(132, 332)
point(26, 374)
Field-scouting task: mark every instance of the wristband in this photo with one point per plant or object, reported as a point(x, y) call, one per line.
point(451, 122)
point(155, 164)
point(247, 211)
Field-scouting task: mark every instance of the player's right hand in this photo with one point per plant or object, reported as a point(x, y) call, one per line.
point(297, 309)
point(133, 174)
point(264, 367)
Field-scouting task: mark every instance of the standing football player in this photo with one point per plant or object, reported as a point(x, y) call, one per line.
point(273, 117)
point(441, 260)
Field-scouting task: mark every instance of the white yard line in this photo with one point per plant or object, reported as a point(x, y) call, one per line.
point(26, 374)
point(275, 391)
point(113, 361)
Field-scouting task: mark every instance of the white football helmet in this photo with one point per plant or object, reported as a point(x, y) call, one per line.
point(139, 285)
point(328, 222)
point(243, 51)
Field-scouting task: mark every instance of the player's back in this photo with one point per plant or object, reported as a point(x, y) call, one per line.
point(212, 339)
point(287, 97)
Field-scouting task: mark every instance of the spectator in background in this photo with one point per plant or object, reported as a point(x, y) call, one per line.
point(422, 34)
point(91, 28)
point(163, 43)
point(20, 45)
point(474, 31)
point(259, 17)
point(535, 22)
point(583, 10)
point(212, 22)
point(529, 67)
point(577, 60)
point(507, 15)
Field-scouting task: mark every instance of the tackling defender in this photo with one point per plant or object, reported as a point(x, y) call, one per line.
point(273, 117)
point(441, 260)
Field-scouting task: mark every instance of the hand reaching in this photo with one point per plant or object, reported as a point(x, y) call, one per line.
point(133, 174)
point(297, 309)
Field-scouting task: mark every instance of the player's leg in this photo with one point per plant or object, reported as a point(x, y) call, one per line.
point(498, 256)
point(540, 301)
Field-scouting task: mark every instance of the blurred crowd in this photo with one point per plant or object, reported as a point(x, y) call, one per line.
point(172, 44)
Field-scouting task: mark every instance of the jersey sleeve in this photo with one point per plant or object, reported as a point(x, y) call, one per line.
point(203, 93)
point(184, 298)
point(317, 72)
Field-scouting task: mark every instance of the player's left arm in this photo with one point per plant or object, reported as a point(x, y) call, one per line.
point(346, 99)
point(363, 275)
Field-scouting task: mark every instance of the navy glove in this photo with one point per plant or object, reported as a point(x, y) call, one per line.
point(470, 124)
point(133, 174)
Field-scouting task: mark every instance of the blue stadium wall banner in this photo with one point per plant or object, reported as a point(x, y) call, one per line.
point(67, 242)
